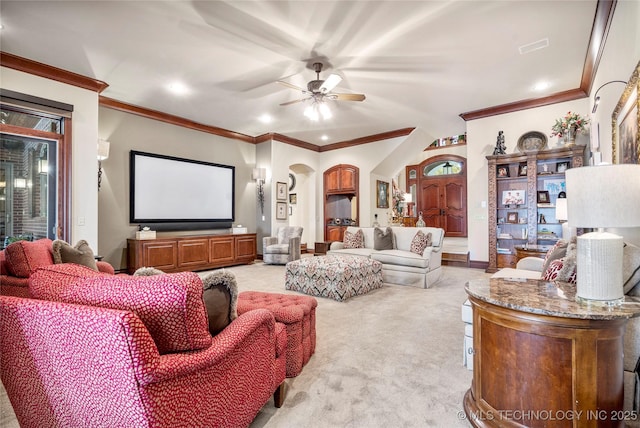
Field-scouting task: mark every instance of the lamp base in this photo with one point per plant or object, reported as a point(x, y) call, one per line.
point(599, 268)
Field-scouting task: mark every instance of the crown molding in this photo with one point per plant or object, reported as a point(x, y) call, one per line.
point(368, 139)
point(47, 71)
point(173, 120)
point(597, 41)
point(599, 31)
point(558, 97)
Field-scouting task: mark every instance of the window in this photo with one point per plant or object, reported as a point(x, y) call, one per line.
point(443, 167)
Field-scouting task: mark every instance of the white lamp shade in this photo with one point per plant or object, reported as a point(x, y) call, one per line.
point(561, 209)
point(103, 149)
point(259, 173)
point(408, 198)
point(604, 196)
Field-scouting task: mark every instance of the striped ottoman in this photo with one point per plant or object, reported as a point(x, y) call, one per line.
point(336, 277)
point(297, 313)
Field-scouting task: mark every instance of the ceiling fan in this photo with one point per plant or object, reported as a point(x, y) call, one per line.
point(320, 90)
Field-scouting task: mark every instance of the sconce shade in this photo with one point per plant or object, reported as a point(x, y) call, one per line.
point(103, 149)
point(604, 196)
point(259, 174)
point(408, 198)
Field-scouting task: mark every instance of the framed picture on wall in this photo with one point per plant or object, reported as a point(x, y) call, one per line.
point(625, 121)
point(281, 191)
point(281, 210)
point(382, 194)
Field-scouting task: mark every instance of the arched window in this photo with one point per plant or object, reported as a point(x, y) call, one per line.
point(442, 167)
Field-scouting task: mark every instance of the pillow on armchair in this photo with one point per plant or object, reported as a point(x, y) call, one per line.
point(80, 254)
point(220, 295)
point(22, 258)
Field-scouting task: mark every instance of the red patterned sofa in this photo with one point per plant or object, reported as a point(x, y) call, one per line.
point(20, 259)
point(90, 349)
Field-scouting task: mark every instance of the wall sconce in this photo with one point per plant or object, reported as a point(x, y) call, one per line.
point(260, 174)
point(596, 98)
point(103, 153)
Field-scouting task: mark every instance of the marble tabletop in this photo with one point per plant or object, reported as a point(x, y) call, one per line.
point(547, 298)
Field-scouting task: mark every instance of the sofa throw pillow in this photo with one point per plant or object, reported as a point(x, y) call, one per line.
point(353, 240)
point(382, 240)
point(420, 242)
point(22, 258)
point(220, 297)
point(569, 264)
point(631, 269)
point(80, 254)
point(556, 252)
point(552, 272)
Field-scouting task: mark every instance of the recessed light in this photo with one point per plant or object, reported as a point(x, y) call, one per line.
point(541, 86)
point(265, 118)
point(324, 138)
point(178, 88)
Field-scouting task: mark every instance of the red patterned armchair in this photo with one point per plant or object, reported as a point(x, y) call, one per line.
point(20, 259)
point(116, 351)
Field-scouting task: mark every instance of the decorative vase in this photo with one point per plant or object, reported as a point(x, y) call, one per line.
point(570, 137)
point(420, 222)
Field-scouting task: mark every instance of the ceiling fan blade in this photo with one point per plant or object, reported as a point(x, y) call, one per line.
point(331, 82)
point(294, 101)
point(349, 97)
point(289, 85)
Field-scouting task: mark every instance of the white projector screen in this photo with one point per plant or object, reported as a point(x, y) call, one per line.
point(169, 189)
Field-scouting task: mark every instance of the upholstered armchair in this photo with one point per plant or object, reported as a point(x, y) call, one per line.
point(284, 247)
point(74, 355)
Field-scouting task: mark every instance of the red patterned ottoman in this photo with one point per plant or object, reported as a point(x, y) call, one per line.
point(297, 313)
point(337, 277)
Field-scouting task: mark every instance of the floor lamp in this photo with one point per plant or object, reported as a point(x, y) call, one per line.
point(602, 196)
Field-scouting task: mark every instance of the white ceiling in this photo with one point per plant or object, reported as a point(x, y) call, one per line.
point(420, 63)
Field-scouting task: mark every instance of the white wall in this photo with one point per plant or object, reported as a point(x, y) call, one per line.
point(84, 183)
point(621, 55)
point(482, 135)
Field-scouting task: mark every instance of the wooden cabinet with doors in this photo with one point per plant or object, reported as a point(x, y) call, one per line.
point(340, 200)
point(440, 186)
point(182, 253)
point(341, 179)
point(517, 215)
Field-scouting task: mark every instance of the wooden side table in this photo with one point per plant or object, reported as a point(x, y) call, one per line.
point(321, 248)
point(523, 251)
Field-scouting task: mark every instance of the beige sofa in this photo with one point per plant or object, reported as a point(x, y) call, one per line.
point(531, 268)
point(401, 266)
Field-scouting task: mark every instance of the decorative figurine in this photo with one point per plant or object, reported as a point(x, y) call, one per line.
point(375, 221)
point(501, 148)
point(420, 222)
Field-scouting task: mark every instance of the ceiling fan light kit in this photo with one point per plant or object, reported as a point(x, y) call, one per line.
point(318, 91)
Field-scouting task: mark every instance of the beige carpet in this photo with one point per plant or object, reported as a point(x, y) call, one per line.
point(390, 358)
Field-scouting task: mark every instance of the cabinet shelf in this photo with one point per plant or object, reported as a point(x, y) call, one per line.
point(534, 163)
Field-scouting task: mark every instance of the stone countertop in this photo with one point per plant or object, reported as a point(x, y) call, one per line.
point(547, 298)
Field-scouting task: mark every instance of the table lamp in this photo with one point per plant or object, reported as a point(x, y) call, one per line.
point(602, 196)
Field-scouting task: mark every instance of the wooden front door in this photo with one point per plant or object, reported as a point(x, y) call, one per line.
point(442, 198)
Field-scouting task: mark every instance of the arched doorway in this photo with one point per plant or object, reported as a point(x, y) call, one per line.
point(440, 191)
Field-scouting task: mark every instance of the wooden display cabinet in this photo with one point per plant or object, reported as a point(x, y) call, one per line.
point(515, 216)
point(340, 200)
point(184, 253)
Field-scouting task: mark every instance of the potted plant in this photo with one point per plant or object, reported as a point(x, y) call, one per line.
point(569, 126)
